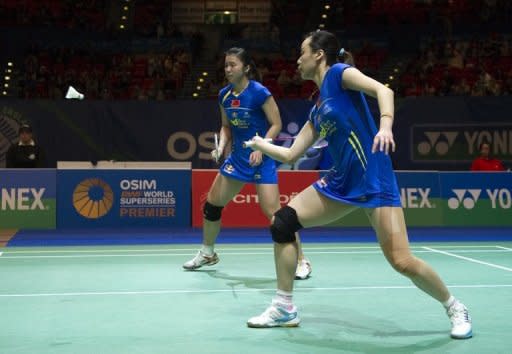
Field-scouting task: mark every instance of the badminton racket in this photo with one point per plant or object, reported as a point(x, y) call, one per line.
point(216, 137)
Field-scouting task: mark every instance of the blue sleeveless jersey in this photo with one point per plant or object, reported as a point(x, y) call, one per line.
point(246, 119)
point(358, 176)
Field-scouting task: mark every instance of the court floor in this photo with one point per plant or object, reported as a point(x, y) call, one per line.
point(137, 299)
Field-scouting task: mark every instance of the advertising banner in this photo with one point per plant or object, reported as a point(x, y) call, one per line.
point(123, 198)
point(28, 199)
point(244, 210)
point(432, 133)
point(420, 194)
point(429, 198)
point(477, 199)
point(444, 133)
point(457, 143)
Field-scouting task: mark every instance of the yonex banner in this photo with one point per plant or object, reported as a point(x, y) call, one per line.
point(457, 143)
point(28, 199)
point(476, 199)
point(444, 133)
point(420, 194)
point(123, 197)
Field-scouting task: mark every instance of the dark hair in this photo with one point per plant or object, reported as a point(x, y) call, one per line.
point(482, 144)
point(331, 46)
point(245, 58)
point(25, 127)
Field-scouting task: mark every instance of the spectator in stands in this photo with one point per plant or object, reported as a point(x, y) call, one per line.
point(284, 80)
point(485, 162)
point(25, 153)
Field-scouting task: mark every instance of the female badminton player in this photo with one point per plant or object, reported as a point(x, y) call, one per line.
point(361, 177)
point(247, 108)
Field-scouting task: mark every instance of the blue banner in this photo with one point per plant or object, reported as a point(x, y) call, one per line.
point(432, 133)
point(420, 193)
point(127, 131)
point(477, 198)
point(444, 133)
point(123, 198)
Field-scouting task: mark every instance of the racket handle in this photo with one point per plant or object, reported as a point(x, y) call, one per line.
point(216, 148)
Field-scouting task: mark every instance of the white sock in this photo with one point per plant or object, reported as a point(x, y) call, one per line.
point(448, 303)
point(284, 298)
point(208, 250)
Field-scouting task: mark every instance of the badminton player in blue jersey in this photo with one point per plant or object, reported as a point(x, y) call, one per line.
point(247, 109)
point(361, 177)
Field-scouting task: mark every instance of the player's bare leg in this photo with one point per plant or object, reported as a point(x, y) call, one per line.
point(221, 192)
point(389, 224)
point(268, 196)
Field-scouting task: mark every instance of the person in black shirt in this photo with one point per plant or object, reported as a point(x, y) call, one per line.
point(26, 153)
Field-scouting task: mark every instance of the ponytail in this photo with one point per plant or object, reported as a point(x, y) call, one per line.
point(346, 57)
point(328, 42)
point(254, 73)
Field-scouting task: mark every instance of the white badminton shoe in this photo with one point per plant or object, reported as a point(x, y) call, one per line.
point(461, 321)
point(275, 315)
point(303, 270)
point(201, 259)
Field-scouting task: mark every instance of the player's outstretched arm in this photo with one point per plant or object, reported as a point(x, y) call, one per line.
point(306, 137)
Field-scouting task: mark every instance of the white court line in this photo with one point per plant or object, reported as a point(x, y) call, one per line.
point(504, 248)
point(269, 253)
point(469, 259)
point(7, 256)
point(209, 291)
point(185, 249)
point(110, 250)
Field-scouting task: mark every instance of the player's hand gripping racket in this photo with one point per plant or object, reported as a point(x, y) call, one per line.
point(319, 144)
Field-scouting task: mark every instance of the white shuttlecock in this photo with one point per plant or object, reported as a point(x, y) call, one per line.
point(74, 94)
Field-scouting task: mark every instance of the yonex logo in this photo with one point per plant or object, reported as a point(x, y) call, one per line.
point(415, 198)
point(440, 141)
point(468, 198)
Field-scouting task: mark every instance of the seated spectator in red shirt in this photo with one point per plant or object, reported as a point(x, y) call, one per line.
point(485, 162)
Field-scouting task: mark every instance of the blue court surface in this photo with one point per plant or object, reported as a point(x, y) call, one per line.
point(131, 236)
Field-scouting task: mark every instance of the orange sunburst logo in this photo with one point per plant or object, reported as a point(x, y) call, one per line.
point(93, 198)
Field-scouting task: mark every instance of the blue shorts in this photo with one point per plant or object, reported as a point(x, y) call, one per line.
point(265, 173)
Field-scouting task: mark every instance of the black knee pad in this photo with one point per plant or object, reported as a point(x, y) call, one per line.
point(285, 225)
point(212, 212)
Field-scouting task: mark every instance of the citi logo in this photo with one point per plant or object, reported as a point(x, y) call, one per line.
point(439, 141)
point(468, 198)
